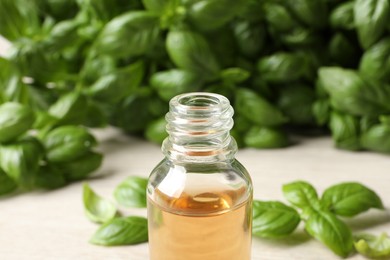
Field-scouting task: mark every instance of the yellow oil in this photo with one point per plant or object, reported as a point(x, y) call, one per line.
point(200, 226)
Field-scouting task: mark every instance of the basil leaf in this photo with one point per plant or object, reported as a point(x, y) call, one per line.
point(202, 14)
point(156, 6)
point(123, 82)
point(69, 108)
point(156, 131)
point(257, 109)
point(15, 119)
point(81, 167)
point(49, 177)
point(377, 138)
point(350, 198)
point(321, 111)
point(301, 194)
point(235, 75)
point(7, 185)
point(342, 16)
point(250, 38)
point(296, 101)
point(20, 161)
point(353, 94)
point(122, 231)
point(190, 51)
point(374, 247)
point(132, 192)
point(327, 228)
point(63, 34)
point(371, 18)
point(278, 17)
point(345, 130)
point(129, 34)
point(263, 137)
point(96, 208)
point(311, 13)
point(67, 143)
point(375, 62)
point(273, 219)
point(343, 51)
point(282, 67)
point(173, 82)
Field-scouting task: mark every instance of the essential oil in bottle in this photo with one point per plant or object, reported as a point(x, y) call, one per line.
point(199, 196)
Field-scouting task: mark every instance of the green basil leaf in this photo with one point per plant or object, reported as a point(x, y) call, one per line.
point(301, 194)
point(311, 13)
point(282, 67)
point(132, 192)
point(20, 161)
point(296, 101)
point(96, 68)
point(68, 143)
point(62, 35)
point(97, 209)
point(156, 131)
point(278, 17)
point(300, 37)
point(156, 6)
point(374, 247)
point(273, 219)
point(375, 62)
point(371, 18)
point(345, 130)
point(113, 87)
point(15, 119)
point(69, 108)
point(122, 231)
point(350, 198)
point(173, 82)
point(7, 185)
point(377, 138)
point(18, 19)
point(49, 177)
point(264, 137)
point(342, 16)
point(250, 38)
point(129, 34)
point(202, 14)
point(190, 51)
point(81, 167)
point(321, 111)
point(331, 231)
point(257, 109)
point(353, 94)
point(235, 75)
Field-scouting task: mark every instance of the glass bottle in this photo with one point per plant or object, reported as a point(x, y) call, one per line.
point(199, 196)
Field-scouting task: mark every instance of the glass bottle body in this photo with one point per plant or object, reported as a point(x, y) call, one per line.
point(200, 211)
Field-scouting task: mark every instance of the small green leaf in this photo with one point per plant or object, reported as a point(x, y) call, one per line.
point(321, 111)
point(377, 138)
point(132, 192)
point(375, 62)
point(81, 167)
point(69, 108)
point(96, 208)
point(122, 231)
point(49, 177)
point(235, 75)
point(301, 194)
point(20, 161)
point(342, 16)
point(156, 131)
point(257, 109)
point(273, 219)
point(345, 130)
point(265, 137)
point(374, 247)
point(327, 228)
point(67, 143)
point(15, 119)
point(350, 198)
point(7, 185)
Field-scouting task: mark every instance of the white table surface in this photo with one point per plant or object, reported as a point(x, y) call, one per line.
point(51, 225)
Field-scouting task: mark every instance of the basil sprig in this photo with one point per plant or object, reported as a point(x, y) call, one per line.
point(320, 216)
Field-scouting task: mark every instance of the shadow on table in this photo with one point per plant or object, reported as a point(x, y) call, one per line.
point(297, 238)
point(368, 220)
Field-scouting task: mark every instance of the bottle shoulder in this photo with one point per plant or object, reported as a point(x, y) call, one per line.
point(189, 187)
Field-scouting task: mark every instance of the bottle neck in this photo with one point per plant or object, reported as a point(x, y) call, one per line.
point(198, 125)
